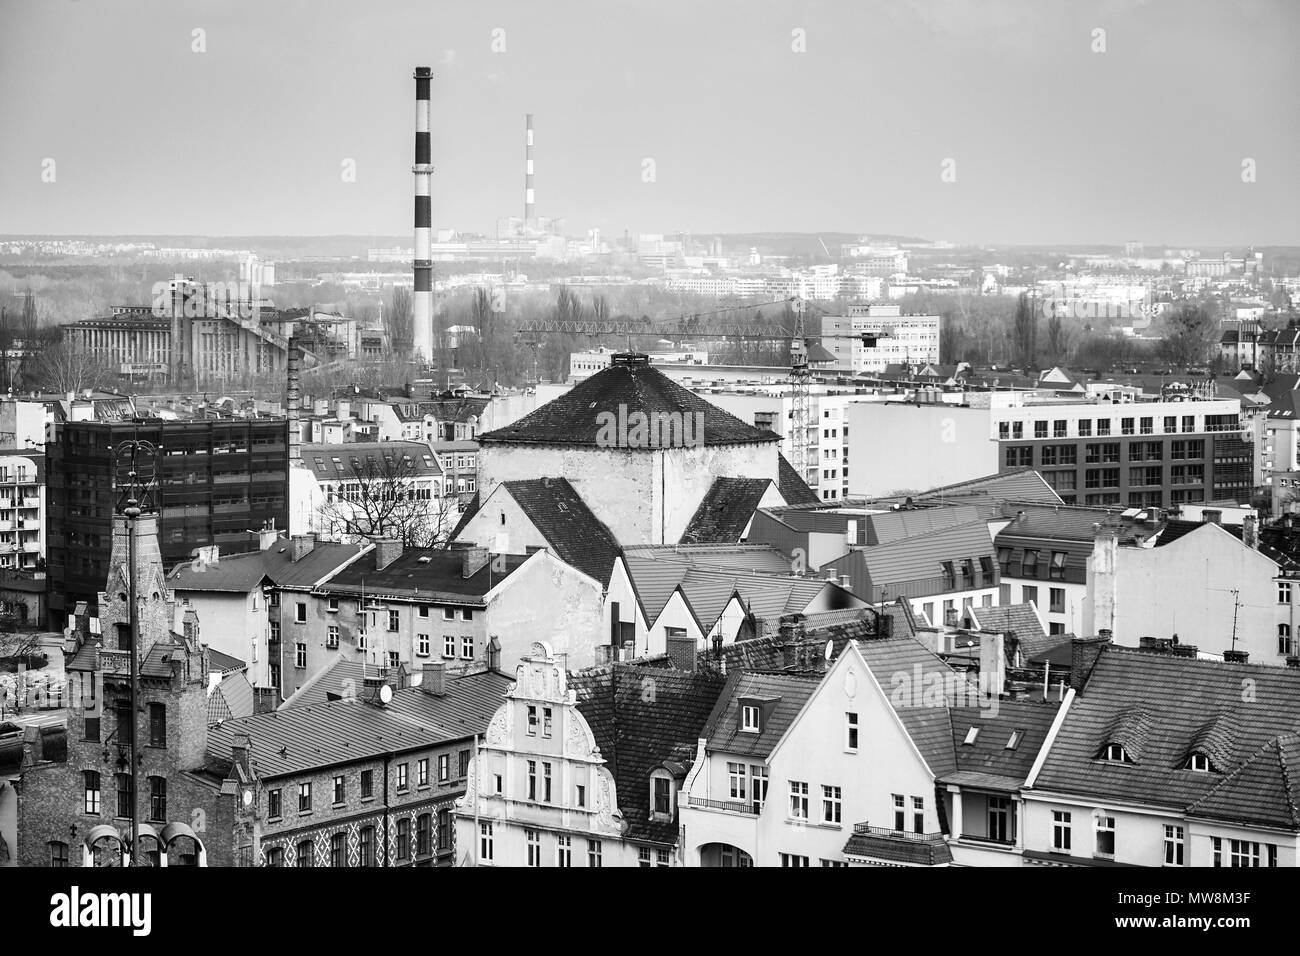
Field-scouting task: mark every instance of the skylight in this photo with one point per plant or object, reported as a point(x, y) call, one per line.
point(971, 735)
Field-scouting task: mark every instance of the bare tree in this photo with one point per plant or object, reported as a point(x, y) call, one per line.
point(399, 322)
point(389, 497)
point(65, 368)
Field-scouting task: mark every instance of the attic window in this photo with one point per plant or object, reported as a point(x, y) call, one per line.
point(1200, 763)
point(971, 736)
point(1116, 753)
point(751, 719)
point(1013, 741)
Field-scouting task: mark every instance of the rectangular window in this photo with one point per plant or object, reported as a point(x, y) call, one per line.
point(798, 800)
point(546, 782)
point(366, 846)
point(367, 784)
point(918, 814)
point(532, 780)
point(1103, 426)
point(1173, 845)
point(444, 830)
point(305, 855)
point(758, 786)
point(403, 840)
point(1059, 427)
point(581, 795)
point(157, 798)
point(273, 804)
point(422, 645)
point(564, 850)
point(448, 646)
point(444, 768)
point(593, 853)
point(1056, 598)
point(402, 770)
point(1106, 837)
point(1147, 425)
point(830, 804)
point(394, 620)
point(534, 840)
point(449, 614)
point(300, 654)
point(1284, 592)
point(422, 770)
point(423, 835)
point(462, 764)
point(643, 856)
point(485, 840)
point(157, 725)
point(546, 721)
point(338, 790)
point(791, 859)
point(338, 850)
point(663, 796)
point(1126, 426)
point(749, 719)
point(331, 639)
point(304, 798)
point(467, 648)
point(1029, 564)
point(736, 779)
point(1061, 831)
point(851, 732)
point(1040, 429)
point(532, 720)
point(300, 613)
point(1085, 428)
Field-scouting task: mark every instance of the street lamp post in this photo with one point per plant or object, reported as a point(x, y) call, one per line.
point(137, 456)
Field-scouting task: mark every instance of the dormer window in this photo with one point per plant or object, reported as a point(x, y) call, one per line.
point(1115, 753)
point(661, 796)
point(751, 718)
point(1200, 763)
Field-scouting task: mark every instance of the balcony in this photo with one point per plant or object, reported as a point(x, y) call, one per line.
point(6, 526)
point(29, 502)
point(898, 846)
point(731, 806)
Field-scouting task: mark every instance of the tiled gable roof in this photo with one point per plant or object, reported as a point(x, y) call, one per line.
point(783, 697)
point(1261, 791)
point(630, 383)
point(311, 736)
point(240, 573)
point(424, 574)
point(794, 489)
point(347, 461)
point(557, 511)
point(1182, 700)
point(638, 732)
point(725, 511)
point(989, 752)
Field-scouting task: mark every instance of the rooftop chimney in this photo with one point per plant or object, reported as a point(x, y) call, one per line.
point(1084, 652)
point(681, 652)
point(473, 561)
point(422, 304)
point(387, 550)
point(268, 536)
point(434, 680)
point(301, 545)
point(1250, 532)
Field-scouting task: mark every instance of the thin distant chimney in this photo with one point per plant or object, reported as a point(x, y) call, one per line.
point(422, 299)
point(473, 561)
point(528, 169)
point(387, 550)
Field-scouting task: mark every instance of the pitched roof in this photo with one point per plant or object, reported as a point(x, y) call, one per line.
point(352, 459)
point(1164, 708)
point(737, 557)
point(558, 512)
point(920, 557)
point(793, 488)
point(1023, 484)
point(783, 697)
point(231, 698)
point(224, 662)
point(1020, 619)
point(638, 733)
point(293, 740)
point(240, 573)
point(726, 510)
point(424, 574)
point(628, 386)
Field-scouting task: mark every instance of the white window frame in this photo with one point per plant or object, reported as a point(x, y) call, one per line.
point(798, 800)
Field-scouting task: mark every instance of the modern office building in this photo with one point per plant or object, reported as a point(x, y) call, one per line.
point(218, 483)
point(887, 338)
point(1090, 450)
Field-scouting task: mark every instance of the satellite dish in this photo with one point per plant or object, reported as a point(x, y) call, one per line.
point(830, 649)
point(385, 693)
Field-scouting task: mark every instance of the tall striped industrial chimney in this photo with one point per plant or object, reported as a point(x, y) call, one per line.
point(528, 170)
point(422, 301)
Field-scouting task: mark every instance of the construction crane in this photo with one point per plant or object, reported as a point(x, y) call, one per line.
point(699, 324)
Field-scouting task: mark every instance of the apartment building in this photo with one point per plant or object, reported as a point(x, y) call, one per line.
point(883, 337)
point(22, 510)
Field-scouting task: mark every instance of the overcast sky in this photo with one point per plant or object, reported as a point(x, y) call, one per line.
point(1052, 142)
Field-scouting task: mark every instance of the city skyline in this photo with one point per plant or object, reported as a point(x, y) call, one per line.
point(1058, 134)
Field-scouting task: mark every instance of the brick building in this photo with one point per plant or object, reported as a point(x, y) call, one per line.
point(78, 809)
